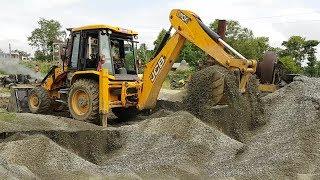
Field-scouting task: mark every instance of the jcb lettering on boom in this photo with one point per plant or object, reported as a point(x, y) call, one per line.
point(157, 68)
point(183, 17)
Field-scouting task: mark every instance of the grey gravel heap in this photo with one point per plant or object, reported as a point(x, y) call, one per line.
point(288, 143)
point(170, 145)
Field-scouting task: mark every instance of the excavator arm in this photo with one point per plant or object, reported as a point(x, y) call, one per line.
point(189, 27)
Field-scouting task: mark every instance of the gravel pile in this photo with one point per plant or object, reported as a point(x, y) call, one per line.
point(169, 145)
point(44, 158)
point(178, 145)
point(237, 115)
point(10, 122)
point(287, 144)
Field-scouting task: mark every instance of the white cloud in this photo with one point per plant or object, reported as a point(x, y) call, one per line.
point(275, 19)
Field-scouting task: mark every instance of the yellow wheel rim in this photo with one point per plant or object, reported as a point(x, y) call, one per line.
point(34, 101)
point(80, 102)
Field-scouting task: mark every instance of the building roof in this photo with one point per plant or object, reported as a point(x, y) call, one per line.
point(175, 65)
point(105, 26)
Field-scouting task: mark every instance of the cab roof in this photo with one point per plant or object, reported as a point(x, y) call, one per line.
point(105, 26)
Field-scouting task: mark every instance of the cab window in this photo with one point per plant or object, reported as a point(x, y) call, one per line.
point(122, 53)
point(90, 56)
point(104, 47)
point(75, 51)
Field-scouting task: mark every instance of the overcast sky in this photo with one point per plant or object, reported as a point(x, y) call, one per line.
point(276, 19)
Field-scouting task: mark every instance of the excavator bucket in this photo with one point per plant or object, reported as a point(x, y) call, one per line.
point(272, 73)
point(266, 68)
point(18, 101)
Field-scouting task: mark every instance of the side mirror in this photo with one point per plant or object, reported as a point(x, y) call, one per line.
point(65, 51)
point(63, 54)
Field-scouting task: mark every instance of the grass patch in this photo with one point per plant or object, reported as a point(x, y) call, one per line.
point(177, 76)
point(2, 72)
point(7, 116)
point(166, 84)
point(44, 66)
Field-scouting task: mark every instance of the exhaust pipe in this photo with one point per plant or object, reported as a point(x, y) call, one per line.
point(217, 37)
point(222, 27)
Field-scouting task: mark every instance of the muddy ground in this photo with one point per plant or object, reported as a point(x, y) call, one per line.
point(172, 143)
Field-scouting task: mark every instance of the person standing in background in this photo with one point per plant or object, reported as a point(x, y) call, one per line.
point(36, 68)
point(37, 72)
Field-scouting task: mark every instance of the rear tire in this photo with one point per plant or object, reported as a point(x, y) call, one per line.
point(83, 100)
point(39, 101)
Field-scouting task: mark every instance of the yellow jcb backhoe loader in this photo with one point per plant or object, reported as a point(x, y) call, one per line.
point(99, 72)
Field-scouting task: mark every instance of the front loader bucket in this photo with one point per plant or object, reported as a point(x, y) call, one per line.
point(18, 101)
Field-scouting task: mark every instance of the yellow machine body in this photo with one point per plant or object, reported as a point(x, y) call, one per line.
point(146, 89)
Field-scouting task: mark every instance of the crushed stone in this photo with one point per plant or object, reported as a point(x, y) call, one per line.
point(173, 144)
point(237, 115)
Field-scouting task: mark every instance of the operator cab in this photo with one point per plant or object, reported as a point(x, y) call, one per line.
point(95, 47)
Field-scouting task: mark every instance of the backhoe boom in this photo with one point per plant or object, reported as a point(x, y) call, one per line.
point(189, 27)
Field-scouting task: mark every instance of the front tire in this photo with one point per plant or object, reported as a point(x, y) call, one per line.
point(39, 101)
point(83, 100)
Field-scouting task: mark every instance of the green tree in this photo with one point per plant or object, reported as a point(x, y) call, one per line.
point(234, 30)
point(302, 52)
point(44, 36)
point(290, 64)
point(191, 54)
point(240, 38)
point(294, 47)
point(143, 53)
point(317, 69)
point(160, 36)
point(243, 40)
point(310, 50)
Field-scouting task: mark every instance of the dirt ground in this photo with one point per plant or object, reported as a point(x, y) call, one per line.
point(4, 97)
point(172, 143)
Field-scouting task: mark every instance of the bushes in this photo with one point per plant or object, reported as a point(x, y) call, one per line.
point(290, 64)
point(178, 79)
point(44, 66)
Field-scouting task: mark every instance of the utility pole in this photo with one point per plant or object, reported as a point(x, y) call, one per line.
point(9, 50)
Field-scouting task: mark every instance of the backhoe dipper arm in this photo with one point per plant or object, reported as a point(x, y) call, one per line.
point(189, 27)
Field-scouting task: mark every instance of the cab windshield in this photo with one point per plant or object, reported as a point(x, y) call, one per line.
point(123, 55)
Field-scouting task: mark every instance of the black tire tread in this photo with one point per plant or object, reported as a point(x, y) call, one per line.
point(92, 87)
point(45, 101)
